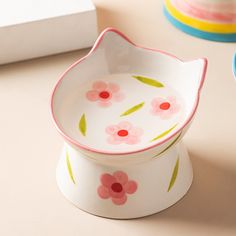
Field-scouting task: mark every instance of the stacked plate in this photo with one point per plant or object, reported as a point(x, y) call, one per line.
point(208, 19)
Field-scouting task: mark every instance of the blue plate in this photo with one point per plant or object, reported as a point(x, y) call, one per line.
point(234, 65)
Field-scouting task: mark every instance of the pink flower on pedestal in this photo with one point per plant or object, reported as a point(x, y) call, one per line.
point(116, 187)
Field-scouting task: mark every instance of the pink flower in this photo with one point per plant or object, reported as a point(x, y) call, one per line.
point(165, 107)
point(116, 187)
point(124, 132)
point(104, 93)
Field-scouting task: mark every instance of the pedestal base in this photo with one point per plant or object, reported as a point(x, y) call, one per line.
point(128, 191)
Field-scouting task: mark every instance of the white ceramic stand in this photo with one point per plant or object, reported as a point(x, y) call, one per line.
point(161, 182)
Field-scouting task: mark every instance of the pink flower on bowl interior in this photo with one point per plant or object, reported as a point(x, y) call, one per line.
point(105, 93)
point(124, 132)
point(165, 108)
point(116, 187)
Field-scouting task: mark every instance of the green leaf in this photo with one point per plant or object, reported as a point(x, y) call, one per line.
point(148, 81)
point(133, 109)
point(164, 133)
point(82, 125)
point(69, 167)
point(174, 175)
point(169, 146)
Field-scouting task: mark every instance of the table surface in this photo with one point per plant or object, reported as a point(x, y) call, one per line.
point(30, 202)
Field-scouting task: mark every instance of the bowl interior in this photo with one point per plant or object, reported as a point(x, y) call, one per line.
point(123, 98)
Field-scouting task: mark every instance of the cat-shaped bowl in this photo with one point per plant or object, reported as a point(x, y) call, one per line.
point(209, 19)
point(122, 110)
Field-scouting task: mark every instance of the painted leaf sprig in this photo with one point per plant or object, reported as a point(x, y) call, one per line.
point(170, 145)
point(69, 167)
point(174, 175)
point(83, 125)
point(164, 133)
point(148, 81)
point(133, 109)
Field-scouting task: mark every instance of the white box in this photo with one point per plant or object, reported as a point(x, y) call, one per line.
point(32, 28)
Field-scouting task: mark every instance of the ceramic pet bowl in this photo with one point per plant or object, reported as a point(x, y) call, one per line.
point(122, 111)
point(208, 19)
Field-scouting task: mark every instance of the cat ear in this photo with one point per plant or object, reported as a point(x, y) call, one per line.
point(195, 72)
point(112, 38)
point(189, 79)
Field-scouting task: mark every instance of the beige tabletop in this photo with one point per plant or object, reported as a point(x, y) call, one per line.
point(30, 202)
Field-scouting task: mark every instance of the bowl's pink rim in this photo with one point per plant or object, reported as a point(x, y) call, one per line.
point(96, 45)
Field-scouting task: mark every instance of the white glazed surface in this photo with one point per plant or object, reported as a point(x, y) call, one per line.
point(99, 118)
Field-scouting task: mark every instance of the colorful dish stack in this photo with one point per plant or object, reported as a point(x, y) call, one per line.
point(209, 19)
